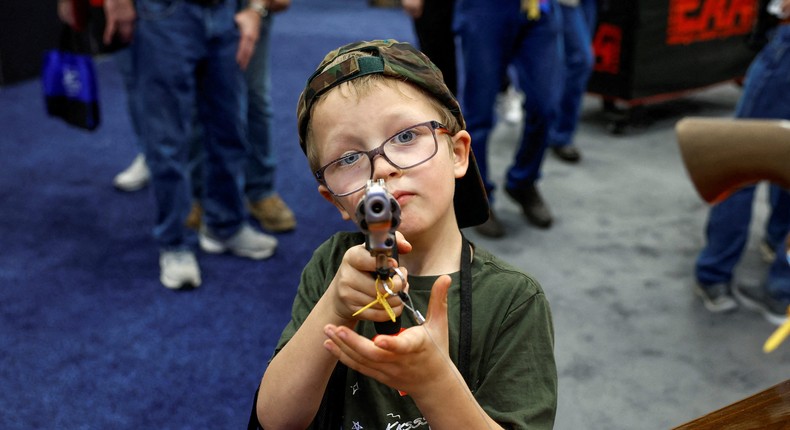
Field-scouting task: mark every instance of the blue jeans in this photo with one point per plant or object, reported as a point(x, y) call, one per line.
point(578, 65)
point(126, 67)
point(259, 181)
point(172, 39)
point(261, 165)
point(764, 96)
point(493, 37)
point(590, 8)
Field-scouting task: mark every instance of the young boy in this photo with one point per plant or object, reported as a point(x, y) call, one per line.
point(483, 359)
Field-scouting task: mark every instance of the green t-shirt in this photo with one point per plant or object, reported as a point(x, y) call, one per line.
point(512, 360)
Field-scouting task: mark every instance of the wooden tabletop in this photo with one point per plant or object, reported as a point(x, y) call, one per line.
point(766, 410)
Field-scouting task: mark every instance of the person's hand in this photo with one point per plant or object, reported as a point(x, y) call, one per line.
point(66, 12)
point(120, 16)
point(249, 23)
point(277, 5)
point(354, 285)
point(412, 7)
point(406, 361)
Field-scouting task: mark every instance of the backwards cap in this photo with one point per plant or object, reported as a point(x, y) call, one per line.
point(403, 62)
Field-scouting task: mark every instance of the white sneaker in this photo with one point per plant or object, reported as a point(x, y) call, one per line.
point(179, 269)
point(135, 177)
point(247, 242)
point(509, 106)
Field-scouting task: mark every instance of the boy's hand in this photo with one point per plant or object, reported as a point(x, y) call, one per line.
point(354, 287)
point(405, 362)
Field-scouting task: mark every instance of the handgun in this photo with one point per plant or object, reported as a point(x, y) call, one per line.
point(378, 216)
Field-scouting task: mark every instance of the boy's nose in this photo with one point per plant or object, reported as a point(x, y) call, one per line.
point(383, 168)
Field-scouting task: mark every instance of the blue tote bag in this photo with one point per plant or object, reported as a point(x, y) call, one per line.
point(69, 83)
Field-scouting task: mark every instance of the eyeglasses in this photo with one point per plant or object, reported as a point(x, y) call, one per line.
point(407, 148)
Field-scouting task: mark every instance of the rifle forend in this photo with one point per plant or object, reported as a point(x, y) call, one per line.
point(722, 155)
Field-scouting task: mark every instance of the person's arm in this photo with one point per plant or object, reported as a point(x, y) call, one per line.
point(294, 382)
point(416, 361)
point(120, 16)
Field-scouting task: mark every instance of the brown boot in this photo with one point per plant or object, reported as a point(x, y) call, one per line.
point(194, 217)
point(273, 214)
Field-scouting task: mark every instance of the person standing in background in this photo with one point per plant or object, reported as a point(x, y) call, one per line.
point(433, 25)
point(263, 201)
point(526, 35)
point(578, 61)
point(173, 39)
point(764, 96)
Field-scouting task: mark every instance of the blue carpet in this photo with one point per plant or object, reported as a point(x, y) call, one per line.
point(89, 338)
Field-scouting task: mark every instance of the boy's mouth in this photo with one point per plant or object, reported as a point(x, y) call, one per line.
point(401, 196)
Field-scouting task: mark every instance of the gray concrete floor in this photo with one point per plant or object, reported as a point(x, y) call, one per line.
point(635, 348)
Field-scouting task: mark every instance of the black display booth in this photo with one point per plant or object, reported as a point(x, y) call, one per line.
point(649, 51)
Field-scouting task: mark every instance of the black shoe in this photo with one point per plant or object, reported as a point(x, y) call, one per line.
point(492, 227)
point(716, 297)
point(757, 299)
point(532, 204)
point(567, 153)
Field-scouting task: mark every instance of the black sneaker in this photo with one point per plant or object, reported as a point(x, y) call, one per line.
point(567, 153)
point(532, 205)
point(492, 227)
point(757, 299)
point(716, 297)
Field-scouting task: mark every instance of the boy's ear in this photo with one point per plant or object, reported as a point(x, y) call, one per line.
point(324, 191)
point(462, 145)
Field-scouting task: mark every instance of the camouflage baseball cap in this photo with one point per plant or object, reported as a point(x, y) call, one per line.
point(401, 61)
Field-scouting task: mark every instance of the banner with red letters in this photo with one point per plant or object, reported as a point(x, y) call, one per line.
point(656, 48)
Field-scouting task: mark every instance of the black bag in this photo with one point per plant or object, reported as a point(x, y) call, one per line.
point(68, 78)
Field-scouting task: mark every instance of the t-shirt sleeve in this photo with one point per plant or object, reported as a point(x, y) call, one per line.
point(518, 386)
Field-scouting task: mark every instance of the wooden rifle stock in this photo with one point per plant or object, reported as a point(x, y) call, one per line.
point(722, 155)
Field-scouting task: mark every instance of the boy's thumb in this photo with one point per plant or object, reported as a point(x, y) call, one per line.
point(437, 306)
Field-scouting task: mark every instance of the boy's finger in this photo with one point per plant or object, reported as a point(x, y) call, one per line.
point(404, 247)
point(437, 306)
point(355, 347)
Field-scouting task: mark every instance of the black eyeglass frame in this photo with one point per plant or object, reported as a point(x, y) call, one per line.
point(379, 150)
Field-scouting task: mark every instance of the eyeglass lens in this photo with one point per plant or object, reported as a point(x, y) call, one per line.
point(404, 150)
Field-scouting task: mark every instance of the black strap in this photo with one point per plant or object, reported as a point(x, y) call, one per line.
point(465, 332)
